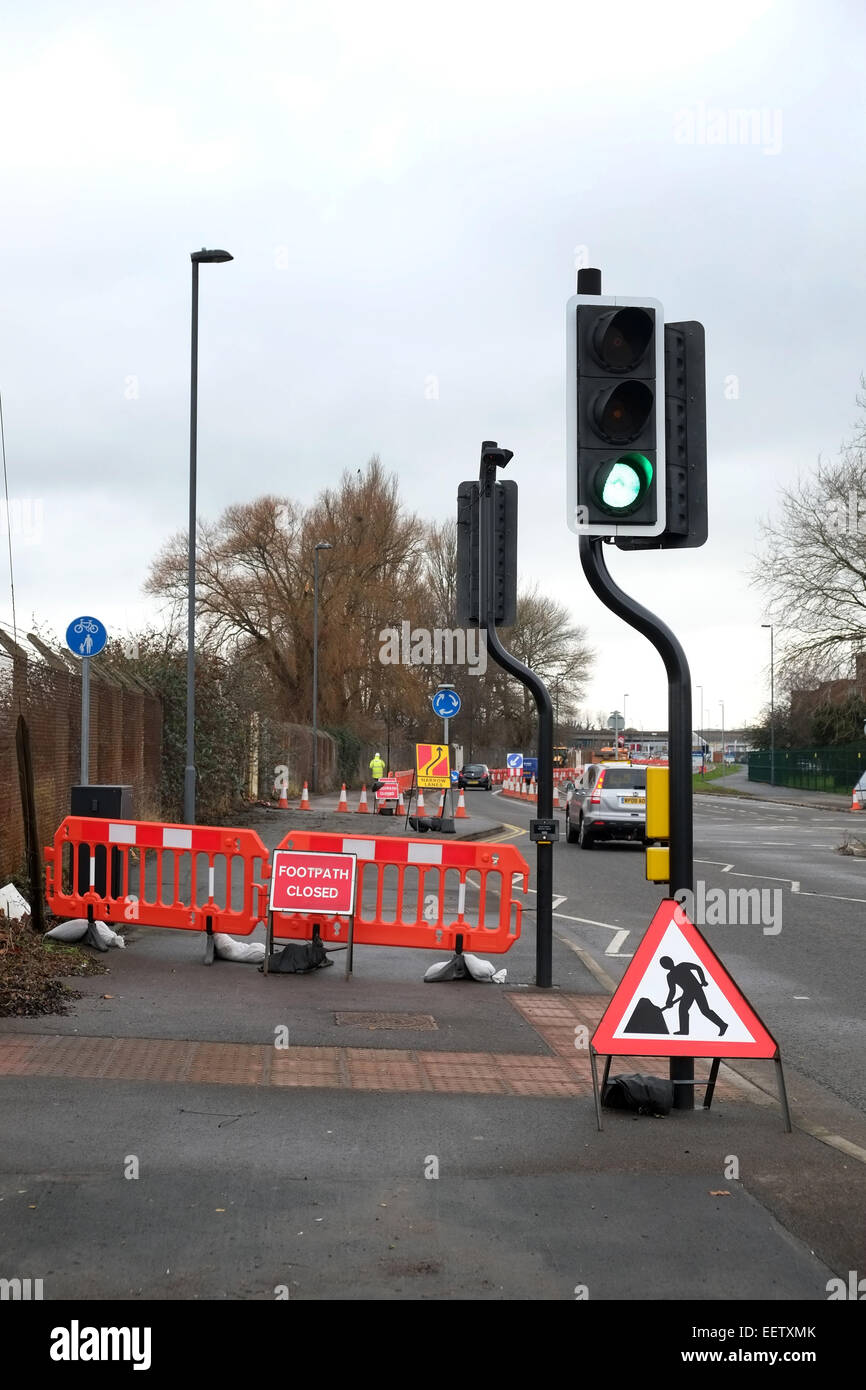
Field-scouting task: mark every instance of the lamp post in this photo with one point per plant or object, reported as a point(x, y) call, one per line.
point(722, 703)
point(624, 698)
point(772, 710)
point(320, 545)
point(701, 728)
point(198, 258)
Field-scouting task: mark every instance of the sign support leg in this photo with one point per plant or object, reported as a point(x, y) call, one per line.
point(595, 1093)
point(783, 1094)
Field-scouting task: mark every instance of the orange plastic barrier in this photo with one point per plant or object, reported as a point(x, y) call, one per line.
point(402, 889)
point(194, 877)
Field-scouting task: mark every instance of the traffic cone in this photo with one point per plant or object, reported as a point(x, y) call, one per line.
point(362, 804)
point(281, 788)
point(461, 813)
point(419, 808)
point(305, 799)
point(855, 804)
point(343, 804)
point(401, 808)
point(533, 789)
point(556, 796)
point(441, 811)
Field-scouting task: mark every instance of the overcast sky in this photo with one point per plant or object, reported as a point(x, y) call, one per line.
point(406, 191)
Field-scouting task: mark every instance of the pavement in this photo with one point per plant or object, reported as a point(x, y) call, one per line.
point(210, 1133)
point(765, 791)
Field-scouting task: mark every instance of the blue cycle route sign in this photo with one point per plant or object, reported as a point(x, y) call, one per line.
point(86, 636)
point(446, 703)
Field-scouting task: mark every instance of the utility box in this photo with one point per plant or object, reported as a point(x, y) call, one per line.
point(101, 802)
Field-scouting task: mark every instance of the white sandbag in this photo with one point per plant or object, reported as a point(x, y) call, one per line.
point(107, 935)
point(72, 930)
point(482, 969)
point(13, 906)
point(228, 949)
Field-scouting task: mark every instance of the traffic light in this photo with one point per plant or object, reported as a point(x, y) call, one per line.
point(616, 444)
point(505, 553)
point(685, 443)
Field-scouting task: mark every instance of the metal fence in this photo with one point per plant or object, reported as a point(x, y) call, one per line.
point(811, 769)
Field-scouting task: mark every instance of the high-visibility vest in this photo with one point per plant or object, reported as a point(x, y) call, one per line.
point(377, 767)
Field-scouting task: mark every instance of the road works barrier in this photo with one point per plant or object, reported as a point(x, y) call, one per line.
point(191, 877)
point(420, 893)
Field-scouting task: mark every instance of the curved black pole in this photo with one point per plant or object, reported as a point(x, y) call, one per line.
point(679, 745)
point(544, 706)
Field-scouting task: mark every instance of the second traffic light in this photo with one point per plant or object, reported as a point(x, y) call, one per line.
point(616, 430)
point(504, 555)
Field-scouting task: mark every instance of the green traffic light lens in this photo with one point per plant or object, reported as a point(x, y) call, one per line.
point(623, 483)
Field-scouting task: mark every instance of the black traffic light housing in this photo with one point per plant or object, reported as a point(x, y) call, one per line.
point(505, 555)
point(616, 435)
point(685, 443)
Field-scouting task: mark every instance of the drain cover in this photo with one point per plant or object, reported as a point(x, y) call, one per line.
point(422, 1023)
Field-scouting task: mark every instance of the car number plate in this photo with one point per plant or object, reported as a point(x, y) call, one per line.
point(634, 801)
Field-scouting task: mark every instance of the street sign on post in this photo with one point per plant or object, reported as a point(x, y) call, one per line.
point(86, 637)
point(432, 765)
point(514, 760)
point(446, 702)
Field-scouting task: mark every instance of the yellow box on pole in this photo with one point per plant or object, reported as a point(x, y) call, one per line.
point(658, 821)
point(658, 864)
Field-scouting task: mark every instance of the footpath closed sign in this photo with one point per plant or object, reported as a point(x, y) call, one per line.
point(303, 881)
point(389, 789)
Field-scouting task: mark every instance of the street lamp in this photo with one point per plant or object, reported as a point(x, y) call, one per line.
point(701, 727)
point(320, 545)
point(624, 698)
point(722, 703)
point(772, 711)
point(208, 258)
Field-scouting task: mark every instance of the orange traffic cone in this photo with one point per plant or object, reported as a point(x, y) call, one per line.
point(281, 788)
point(441, 811)
point(343, 804)
point(556, 796)
point(305, 799)
point(362, 804)
point(461, 813)
point(401, 808)
point(855, 804)
point(419, 808)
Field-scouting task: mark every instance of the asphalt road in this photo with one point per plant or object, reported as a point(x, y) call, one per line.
point(802, 965)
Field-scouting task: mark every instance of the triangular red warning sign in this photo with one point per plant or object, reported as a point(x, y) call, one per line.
point(676, 999)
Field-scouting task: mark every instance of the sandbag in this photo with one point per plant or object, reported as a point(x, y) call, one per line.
point(647, 1095)
point(73, 930)
point(99, 935)
point(228, 949)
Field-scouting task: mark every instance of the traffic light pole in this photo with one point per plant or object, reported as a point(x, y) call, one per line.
point(544, 706)
point(682, 1069)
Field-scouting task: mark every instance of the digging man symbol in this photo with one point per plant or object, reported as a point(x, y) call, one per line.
point(683, 976)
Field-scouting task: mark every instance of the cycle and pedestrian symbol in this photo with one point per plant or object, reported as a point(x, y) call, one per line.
point(86, 636)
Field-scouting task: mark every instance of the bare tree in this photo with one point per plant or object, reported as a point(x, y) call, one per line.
point(812, 566)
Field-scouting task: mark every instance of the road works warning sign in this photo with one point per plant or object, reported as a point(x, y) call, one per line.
point(676, 999)
point(432, 765)
point(302, 881)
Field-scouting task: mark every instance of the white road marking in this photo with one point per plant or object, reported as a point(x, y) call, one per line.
point(613, 948)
